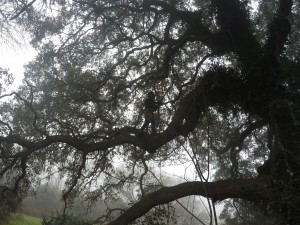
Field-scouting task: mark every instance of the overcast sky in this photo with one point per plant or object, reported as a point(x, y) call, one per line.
point(14, 58)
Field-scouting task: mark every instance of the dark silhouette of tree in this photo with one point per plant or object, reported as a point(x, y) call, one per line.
point(229, 76)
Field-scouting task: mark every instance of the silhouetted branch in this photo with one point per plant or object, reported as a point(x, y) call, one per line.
point(219, 190)
point(238, 141)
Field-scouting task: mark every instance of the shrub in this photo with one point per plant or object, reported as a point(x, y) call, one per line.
point(8, 205)
point(59, 219)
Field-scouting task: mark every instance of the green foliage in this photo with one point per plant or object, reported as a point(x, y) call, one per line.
point(21, 219)
point(59, 219)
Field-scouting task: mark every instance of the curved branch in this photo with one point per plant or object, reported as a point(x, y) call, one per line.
point(216, 87)
point(249, 189)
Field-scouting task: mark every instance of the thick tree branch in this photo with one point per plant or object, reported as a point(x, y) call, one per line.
point(279, 29)
point(198, 31)
point(249, 189)
point(216, 87)
point(234, 21)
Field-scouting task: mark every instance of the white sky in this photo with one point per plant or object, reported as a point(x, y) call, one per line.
point(14, 58)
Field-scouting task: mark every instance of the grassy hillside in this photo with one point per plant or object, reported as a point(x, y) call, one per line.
point(20, 219)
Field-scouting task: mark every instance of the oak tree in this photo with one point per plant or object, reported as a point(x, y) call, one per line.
point(228, 72)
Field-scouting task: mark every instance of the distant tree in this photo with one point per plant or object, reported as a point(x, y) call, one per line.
point(46, 200)
point(8, 206)
point(228, 73)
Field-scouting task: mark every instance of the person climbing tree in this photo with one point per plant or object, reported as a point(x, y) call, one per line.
point(150, 107)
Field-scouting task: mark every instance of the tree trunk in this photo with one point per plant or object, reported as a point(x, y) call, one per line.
point(285, 161)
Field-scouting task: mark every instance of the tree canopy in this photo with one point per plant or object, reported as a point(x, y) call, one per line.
point(227, 71)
